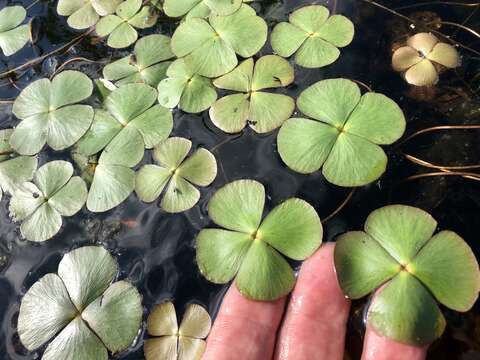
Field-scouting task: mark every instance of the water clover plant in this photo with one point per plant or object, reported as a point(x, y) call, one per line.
point(263, 111)
point(13, 36)
point(344, 135)
point(85, 13)
point(250, 249)
point(176, 173)
point(50, 113)
point(40, 204)
point(210, 47)
point(129, 124)
point(397, 253)
point(422, 59)
point(201, 8)
point(14, 170)
point(121, 28)
point(171, 342)
point(192, 93)
point(79, 310)
point(313, 36)
point(147, 64)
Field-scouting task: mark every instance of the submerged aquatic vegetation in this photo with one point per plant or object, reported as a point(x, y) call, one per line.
point(398, 250)
point(313, 36)
point(423, 58)
point(201, 8)
point(172, 342)
point(79, 310)
point(344, 136)
point(147, 64)
point(13, 35)
point(14, 170)
point(40, 204)
point(210, 47)
point(50, 113)
point(121, 28)
point(130, 123)
point(192, 93)
point(177, 174)
point(263, 111)
point(85, 13)
point(250, 249)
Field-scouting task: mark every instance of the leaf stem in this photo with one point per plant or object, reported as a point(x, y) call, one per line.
point(35, 61)
point(340, 207)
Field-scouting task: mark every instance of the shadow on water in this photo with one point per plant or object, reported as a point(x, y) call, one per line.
point(156, 250)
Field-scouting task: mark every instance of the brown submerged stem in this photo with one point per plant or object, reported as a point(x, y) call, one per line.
point(466, 175)
point(438, 128)
point(437, 3)
point(396, 13)
point(340, 207)
point(35, 61)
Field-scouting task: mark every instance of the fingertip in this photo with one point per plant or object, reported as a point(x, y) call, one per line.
point(244, 328)
point(315, 323)
point(377, 347)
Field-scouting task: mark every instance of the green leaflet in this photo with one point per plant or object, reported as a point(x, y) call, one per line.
point(105, 317)
point(312, 36)
point(344, 136)
point(251, 250)
point(175, 175)
point(397, 254)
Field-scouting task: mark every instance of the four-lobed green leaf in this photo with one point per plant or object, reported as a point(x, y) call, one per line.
point(175, 175)
point(130, 123)
point(121, 27)
point(50, 113)
point(79, 310)
point(13, 35)
point(312, 36)
point(263, 111)
point(210, 48)
point(186, 89)
point(344, 136)
point(398, 255)
point(251, 249)
point(147, 64)
point(40, 204)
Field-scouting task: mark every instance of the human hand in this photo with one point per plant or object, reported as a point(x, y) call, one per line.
point(310, 326)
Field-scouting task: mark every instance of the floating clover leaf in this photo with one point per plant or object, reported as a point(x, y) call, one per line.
point(201, 8)
point(173, 342)
point(40, 204)
point(313, 36)
point(48, 115)
point(120, 28)
point(146, 65)
point(130, 123)
point(344, 136)
point(80, 310)
point(264, 111)
point(397, 250)
point(210, 48)
point(85, 13)
point(250, 248)
point(183, 87)
point(423, 57)
point(176, 173)
point(14, 170)
point(13, 36)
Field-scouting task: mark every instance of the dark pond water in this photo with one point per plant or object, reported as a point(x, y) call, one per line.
point(156, 251)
